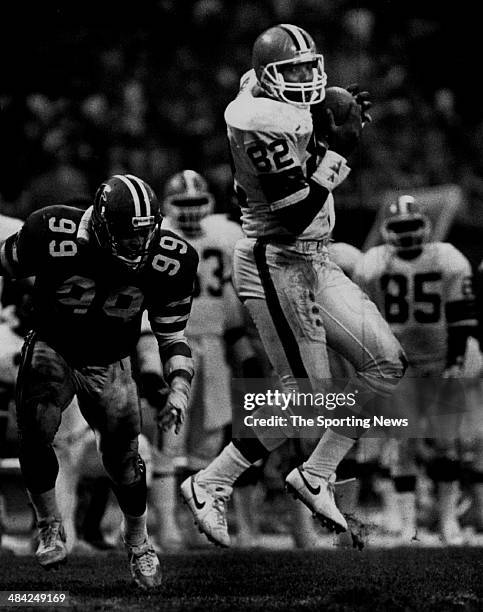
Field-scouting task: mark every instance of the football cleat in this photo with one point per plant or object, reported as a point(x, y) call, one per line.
point(144, 565)
point(51, 551)
point(318, 495)
point(208, 505)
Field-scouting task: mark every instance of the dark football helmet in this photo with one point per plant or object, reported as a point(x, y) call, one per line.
point(187, 200)
point(405, 227)
point(125, 217)
point(280, 48)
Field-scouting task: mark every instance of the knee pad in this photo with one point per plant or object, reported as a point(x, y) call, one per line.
point(124, 469)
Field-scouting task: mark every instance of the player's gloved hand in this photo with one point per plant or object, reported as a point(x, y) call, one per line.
point(344, 138)
point(363, 99)
point(174, 411)
point(153, 388)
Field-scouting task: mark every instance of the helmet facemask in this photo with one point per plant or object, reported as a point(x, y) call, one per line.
point(188, 212)
point(406, 228)
point(406, 232)
point(302, 93)
point(129, 246)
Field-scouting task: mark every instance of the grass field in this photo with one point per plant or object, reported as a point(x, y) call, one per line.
point(397, 579)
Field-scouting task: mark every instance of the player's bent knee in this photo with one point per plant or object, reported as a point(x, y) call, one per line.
point(383, 375)
point(38, 421)
point(124, 468)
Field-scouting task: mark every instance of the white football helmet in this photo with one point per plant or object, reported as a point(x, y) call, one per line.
point(405, 227)
point(187, 200)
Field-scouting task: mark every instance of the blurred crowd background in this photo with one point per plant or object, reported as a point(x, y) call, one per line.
point(94, 90)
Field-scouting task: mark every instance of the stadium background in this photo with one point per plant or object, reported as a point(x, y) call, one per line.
point(93, 90)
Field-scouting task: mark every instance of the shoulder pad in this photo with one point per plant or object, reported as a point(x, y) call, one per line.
point(266, 115)
point(453, 259)
point(172, 234)
point(36, 221)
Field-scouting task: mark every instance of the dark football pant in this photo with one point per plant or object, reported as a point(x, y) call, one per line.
point(108, 400)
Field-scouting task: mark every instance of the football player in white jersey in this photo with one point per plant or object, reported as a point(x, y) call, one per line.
point(424, 291)
point(300, 302)
point(216, 324)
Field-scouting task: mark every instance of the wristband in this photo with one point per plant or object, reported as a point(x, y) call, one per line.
point(331, 171)
point(180, 384)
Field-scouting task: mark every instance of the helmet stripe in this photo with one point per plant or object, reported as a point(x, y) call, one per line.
point(405, 203)
point(134, 194)
point(144, 193)
point(189, 182)
point(295, 34)
point(305, 36)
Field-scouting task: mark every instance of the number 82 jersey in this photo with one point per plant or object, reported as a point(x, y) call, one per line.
point(269, 143)
point(421, 297)
point(87, 305)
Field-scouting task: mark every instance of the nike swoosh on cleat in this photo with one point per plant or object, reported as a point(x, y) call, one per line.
point(313, 490)
point(199, 505)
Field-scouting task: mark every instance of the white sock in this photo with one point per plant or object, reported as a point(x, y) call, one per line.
point(328, 453)
point(135, 532)
point(163, 497)
point(224, 469)
point(45, 505)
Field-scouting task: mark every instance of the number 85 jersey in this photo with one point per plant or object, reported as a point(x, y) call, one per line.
point(421, 297)
point(86, 304)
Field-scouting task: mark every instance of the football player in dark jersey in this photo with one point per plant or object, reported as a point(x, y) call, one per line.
point(96, 272)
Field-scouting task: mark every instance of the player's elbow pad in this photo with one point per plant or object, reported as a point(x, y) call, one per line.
point(297, 217)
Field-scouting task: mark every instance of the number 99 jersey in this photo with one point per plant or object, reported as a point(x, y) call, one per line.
point(421, 297)
point(212, 304)
point(87, 305)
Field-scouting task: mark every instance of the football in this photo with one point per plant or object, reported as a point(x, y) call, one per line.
point(338, 100)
